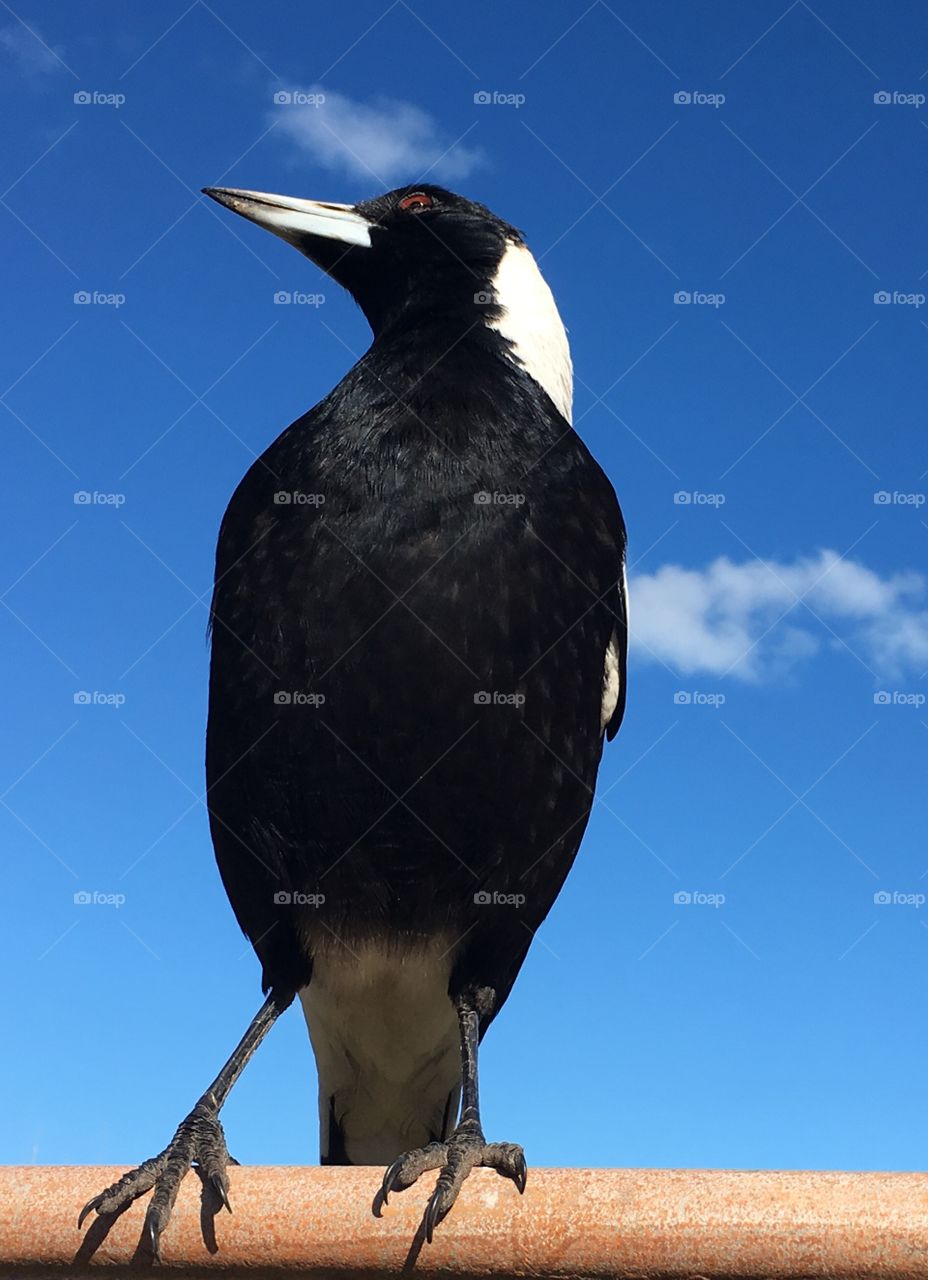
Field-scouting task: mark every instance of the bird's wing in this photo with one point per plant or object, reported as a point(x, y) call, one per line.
point(616, 666)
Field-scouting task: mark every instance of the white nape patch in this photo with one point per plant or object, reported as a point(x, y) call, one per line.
point(531, 322)
point(385, 1035)
point(611, 683)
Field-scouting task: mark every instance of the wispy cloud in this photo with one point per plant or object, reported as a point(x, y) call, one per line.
point(383, 140)
point(744, 619)
point(29, 51)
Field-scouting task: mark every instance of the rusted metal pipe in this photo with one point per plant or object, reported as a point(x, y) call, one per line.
point(570, 1223)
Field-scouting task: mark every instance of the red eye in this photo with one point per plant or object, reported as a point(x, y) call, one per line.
point(418, 200)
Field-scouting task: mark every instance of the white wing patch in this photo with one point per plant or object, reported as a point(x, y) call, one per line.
point(611, 683)
point(612, 672)
point(531, 322)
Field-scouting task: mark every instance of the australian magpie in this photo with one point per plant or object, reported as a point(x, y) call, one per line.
point(419, 634)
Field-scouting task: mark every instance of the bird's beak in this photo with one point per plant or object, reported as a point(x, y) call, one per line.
point(299, 222)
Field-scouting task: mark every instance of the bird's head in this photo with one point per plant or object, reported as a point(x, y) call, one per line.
point(422, 256)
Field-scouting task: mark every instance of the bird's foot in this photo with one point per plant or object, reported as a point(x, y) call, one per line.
point(199, 1139)
point(466, 1149)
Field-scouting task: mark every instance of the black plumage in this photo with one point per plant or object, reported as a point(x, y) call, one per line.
point(417, 585)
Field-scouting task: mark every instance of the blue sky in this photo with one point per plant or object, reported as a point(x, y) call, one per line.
point(735, 972)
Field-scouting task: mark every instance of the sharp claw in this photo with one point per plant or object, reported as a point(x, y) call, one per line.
point(521, 1176)
point(387, 1185)
point(433, 1214)
point(154, 1238)
point(88, 1207)
point(220, 1189)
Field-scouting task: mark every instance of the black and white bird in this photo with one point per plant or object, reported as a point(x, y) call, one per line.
point(419, 634)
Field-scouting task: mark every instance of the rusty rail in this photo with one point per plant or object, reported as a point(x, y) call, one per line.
point(571, 1223)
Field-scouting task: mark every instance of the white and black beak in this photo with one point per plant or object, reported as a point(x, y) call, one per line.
point(325, 232)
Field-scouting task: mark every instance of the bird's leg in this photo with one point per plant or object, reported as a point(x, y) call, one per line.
point(199, 1139)
point(465, 1149)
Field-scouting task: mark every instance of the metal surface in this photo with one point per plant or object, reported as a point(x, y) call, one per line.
point(570, 1223)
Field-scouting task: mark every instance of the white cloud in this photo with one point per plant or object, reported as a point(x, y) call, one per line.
point(382, 140)
point(29, 51)
point(743, 619)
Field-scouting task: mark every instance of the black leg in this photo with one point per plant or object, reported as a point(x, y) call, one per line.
point(199, 1139)
point(465, 1149)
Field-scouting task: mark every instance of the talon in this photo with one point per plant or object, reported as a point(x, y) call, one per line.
point(432, 1214)
point(199, 1140)
point(220, 1188)
point(88, 1208)
point(464, 1150)
point(387, 1185)
point(154, 1237)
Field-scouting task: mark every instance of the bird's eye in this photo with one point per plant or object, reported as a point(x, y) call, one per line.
point(416, 201)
